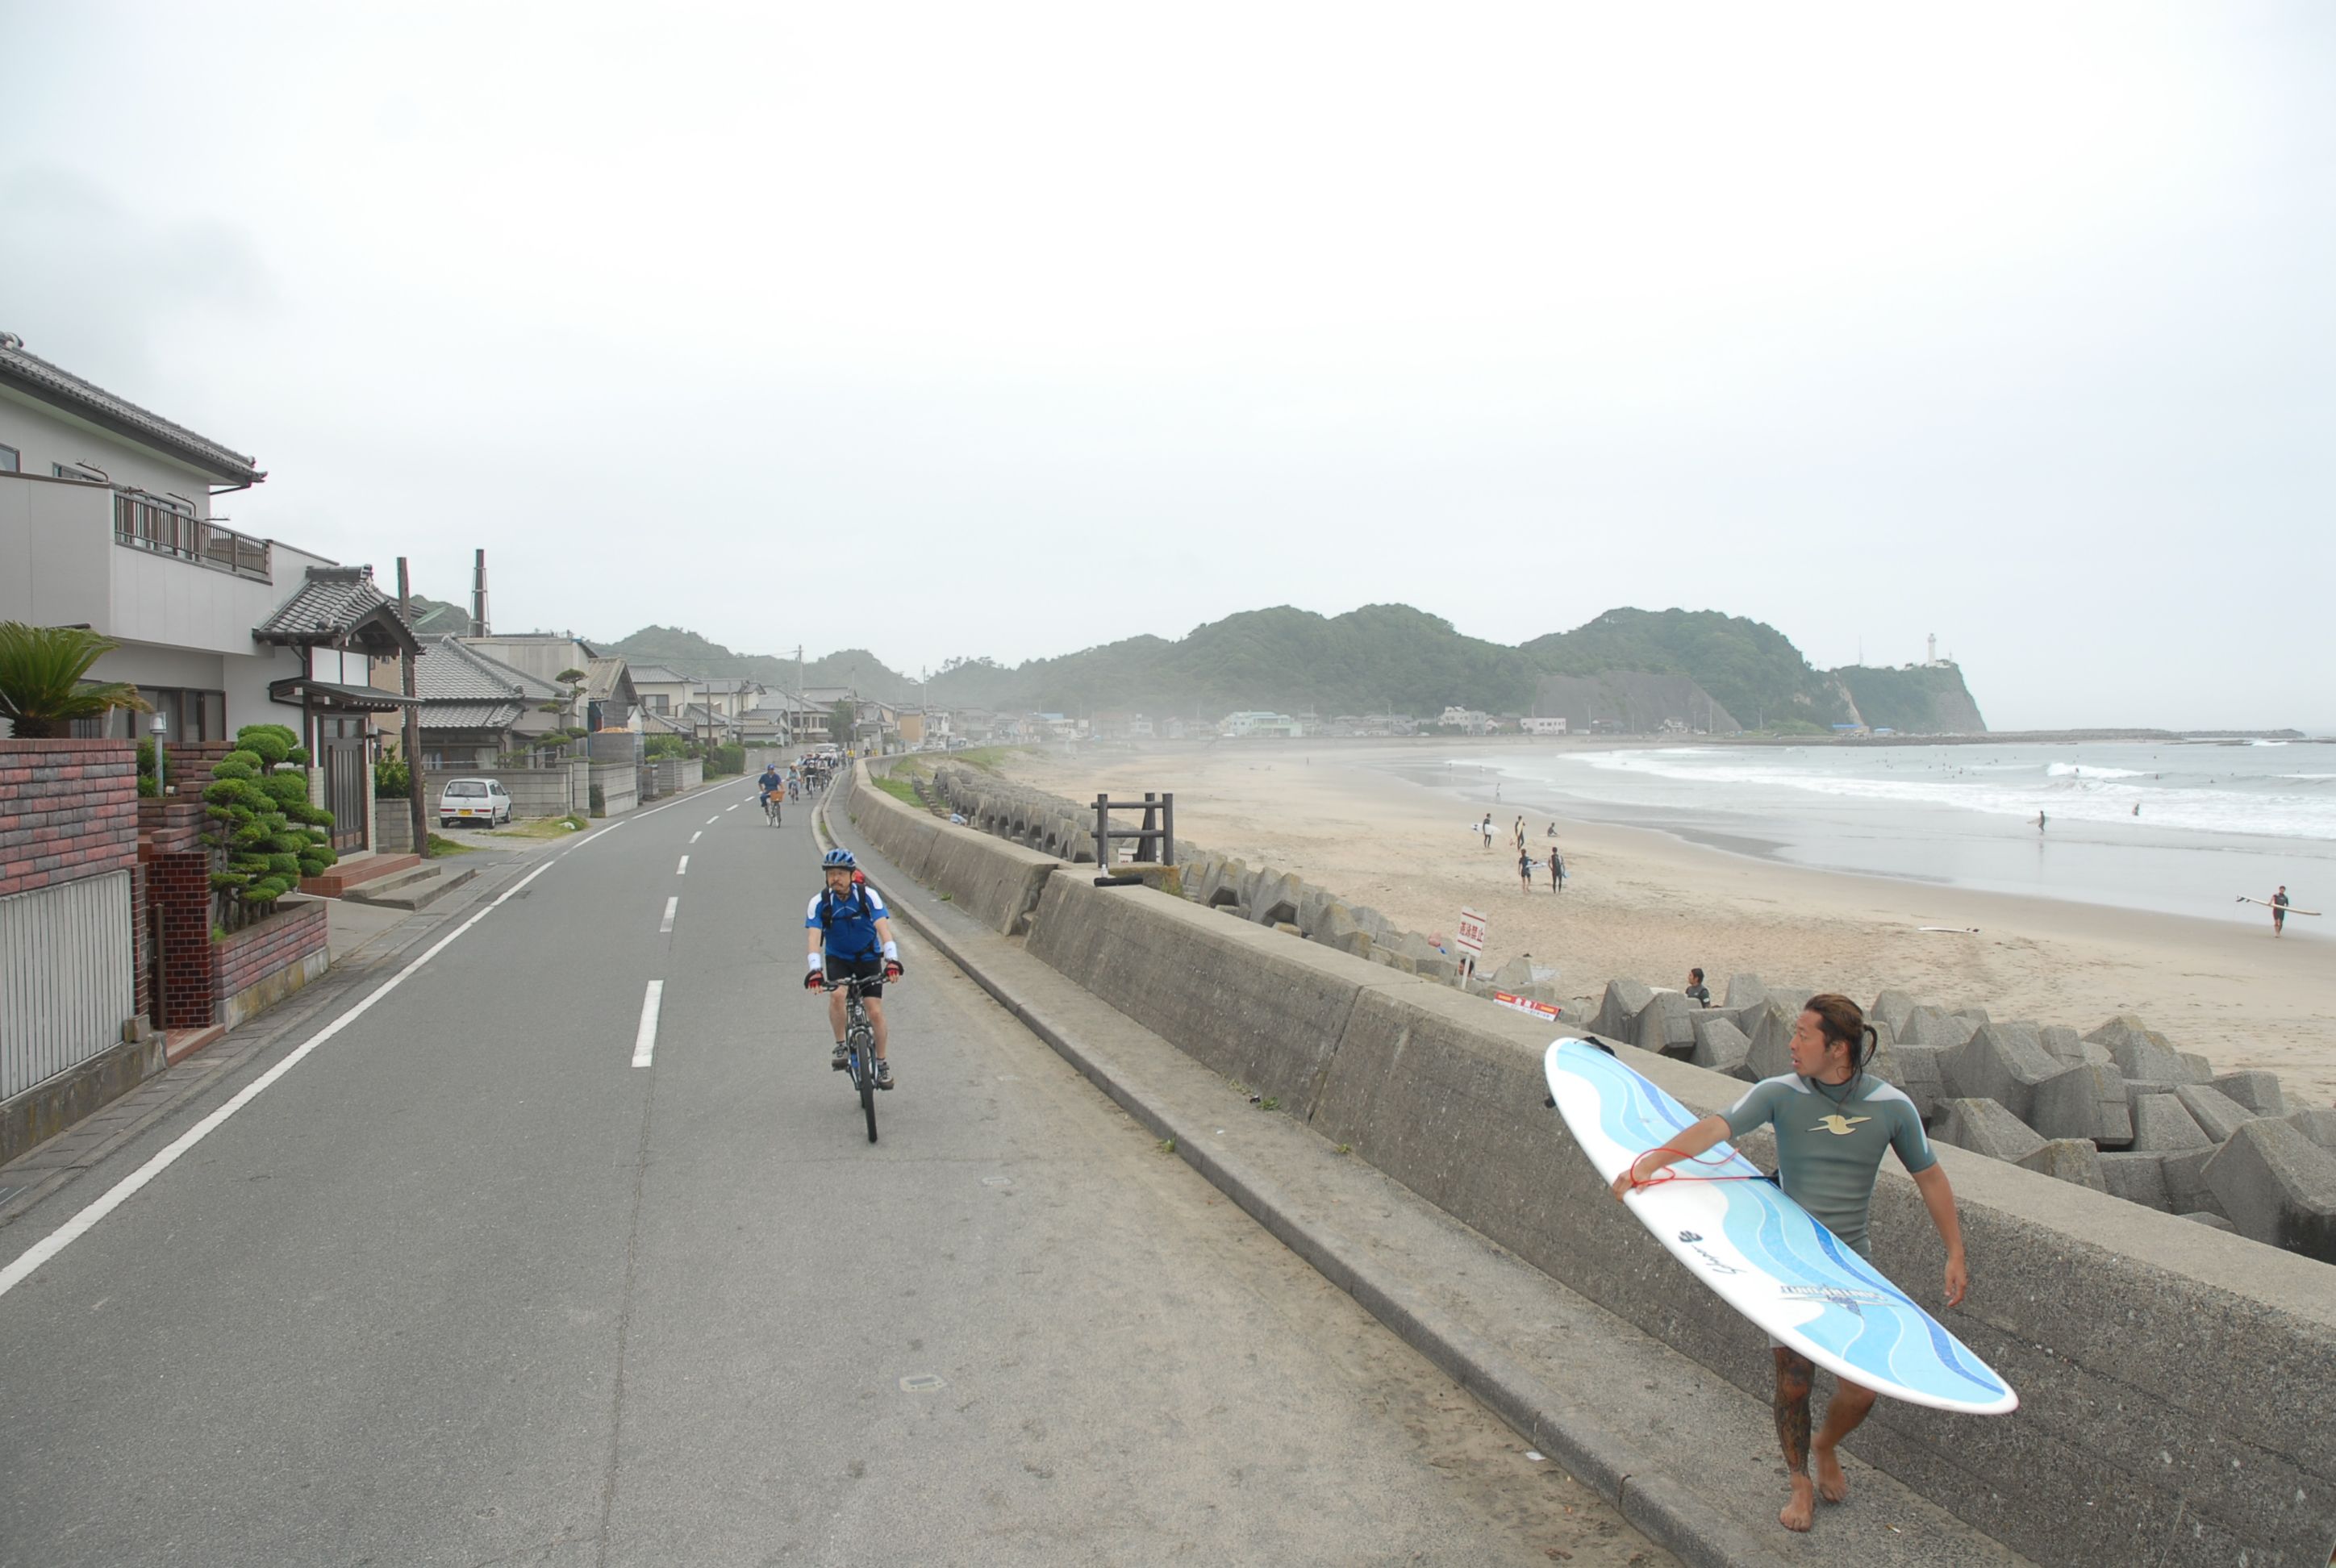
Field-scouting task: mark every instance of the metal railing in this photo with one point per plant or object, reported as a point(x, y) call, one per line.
point(144, 523)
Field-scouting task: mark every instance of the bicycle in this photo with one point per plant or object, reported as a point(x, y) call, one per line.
point(771, 808)
point(860, 1047)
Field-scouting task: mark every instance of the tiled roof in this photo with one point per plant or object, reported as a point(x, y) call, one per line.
point(59, 387)
point(602, 677)
point(328, 604)
point(658, 675)
point(454, 672)
point(469, 715)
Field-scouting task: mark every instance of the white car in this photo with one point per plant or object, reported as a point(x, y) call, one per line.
point(473, 800)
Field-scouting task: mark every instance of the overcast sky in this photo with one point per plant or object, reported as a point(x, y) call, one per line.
point(965, 329)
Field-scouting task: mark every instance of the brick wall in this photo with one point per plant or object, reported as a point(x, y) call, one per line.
point(179, 885)
point(281, 941)
point(68, 810)
point(172, 823)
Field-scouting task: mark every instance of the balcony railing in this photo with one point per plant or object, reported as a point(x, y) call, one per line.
point(144, 523)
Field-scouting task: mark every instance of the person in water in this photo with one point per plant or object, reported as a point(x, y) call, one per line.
point(1833, 1120)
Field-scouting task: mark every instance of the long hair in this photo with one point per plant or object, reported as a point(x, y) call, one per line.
point(1839, 1019)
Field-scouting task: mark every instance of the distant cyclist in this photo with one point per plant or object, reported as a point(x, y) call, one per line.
point(769, 782)
point(851, 939)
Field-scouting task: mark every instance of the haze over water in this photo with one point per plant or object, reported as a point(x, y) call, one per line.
point(2215, 821)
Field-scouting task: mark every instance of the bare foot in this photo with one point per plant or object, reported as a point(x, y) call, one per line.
point(1831, 1485)
point(1801, 1511)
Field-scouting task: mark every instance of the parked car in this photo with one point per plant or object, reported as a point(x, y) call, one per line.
point(468, 800)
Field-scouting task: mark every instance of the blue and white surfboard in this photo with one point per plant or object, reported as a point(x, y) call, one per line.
point(1763, 1253)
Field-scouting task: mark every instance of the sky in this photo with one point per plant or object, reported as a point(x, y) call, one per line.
point(1004, 330)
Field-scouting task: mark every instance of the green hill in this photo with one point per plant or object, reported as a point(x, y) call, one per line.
point(1751, 669)
point(690, 653)
point(1928, 699)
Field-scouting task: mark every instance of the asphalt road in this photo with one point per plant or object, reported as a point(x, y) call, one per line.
point(467, 1285)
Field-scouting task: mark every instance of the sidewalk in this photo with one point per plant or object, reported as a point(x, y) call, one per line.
point(1690, 1458)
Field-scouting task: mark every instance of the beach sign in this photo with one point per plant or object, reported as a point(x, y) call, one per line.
point(1527, 1005)
point(1470, 937)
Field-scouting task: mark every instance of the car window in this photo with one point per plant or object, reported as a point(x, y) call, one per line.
point(466, 786)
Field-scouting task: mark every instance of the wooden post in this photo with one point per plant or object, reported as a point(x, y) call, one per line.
point(413, 742)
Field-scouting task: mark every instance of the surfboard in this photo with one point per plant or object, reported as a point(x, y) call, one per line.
point(2266, 903)
point(1763, 1253)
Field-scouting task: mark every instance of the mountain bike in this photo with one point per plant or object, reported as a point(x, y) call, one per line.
point(860, 1047)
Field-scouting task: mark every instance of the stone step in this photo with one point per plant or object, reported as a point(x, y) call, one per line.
point(413, 889)
point(340, 878)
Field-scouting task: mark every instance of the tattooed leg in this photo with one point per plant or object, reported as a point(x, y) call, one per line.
point(1794, 1371)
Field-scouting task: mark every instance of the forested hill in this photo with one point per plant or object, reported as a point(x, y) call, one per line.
point(1375, 659)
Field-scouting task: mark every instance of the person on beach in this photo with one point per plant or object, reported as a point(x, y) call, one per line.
point(1524, 870)
point(2279, 910)
point(2039, 821)
point(1556, 871)
point(1831, 1122)
point(1697, 992)
point(1485, 827)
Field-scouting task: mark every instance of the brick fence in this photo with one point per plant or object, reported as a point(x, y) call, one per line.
point(263, 963)
point(68, 810)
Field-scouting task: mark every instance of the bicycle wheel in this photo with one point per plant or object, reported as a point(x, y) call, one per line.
point(866, 1077)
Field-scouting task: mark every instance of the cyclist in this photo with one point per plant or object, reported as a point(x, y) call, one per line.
point(769, 782)
point(851, 939)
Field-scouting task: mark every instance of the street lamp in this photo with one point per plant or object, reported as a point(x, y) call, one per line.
point(160, 728)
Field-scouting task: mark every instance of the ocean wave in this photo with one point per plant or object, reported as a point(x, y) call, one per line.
point(2086, 769)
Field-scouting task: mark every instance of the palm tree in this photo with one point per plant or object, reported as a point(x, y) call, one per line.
point(40, 689)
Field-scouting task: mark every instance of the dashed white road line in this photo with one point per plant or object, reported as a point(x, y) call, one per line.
point(645, 1039)
point(671, 904)
point(682, 869)
point(698, 835)
point(716, 817)
point(733, 808)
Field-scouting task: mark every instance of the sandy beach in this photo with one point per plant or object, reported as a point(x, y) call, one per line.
point(1644, 904)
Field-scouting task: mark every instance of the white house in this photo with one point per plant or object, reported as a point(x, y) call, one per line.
point(107, 520)
point(1260, 723)
point(1543, 725)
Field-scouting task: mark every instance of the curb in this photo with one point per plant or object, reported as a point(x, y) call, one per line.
point(1675, 1518)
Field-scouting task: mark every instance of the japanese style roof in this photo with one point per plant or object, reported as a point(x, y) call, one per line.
point(607, 679)
point(337, 605)
point(36, 378)
point(462, 689)
point(470, 715)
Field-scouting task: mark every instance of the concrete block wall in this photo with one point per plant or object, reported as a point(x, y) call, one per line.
point(2175, 1380)
point(619, 786)
point(261, 964)
point(534, 792)
point(68, 810)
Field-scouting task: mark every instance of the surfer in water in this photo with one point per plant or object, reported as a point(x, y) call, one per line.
point(1831, 1120)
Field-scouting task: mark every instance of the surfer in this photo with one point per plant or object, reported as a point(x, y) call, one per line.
point(1524, 870)
point(2279, 910)
point(1831, 1122)
point(1556, 871)
point(1696, 990)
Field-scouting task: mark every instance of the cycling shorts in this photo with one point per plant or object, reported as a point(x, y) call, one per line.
point(868, 968)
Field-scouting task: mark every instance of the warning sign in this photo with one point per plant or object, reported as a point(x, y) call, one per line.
point(1470, 938)
point(1526, 1004)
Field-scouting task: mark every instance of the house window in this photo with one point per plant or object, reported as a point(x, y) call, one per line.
point(658, 702)
point(192, 716)
point(66, 470)
point(11, 460)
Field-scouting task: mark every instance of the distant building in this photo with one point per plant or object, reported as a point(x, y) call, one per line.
point(1260, 723)
point(1544, 726)
point(1468, 720)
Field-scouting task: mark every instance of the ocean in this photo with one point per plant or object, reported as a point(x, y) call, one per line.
point(2216, 820)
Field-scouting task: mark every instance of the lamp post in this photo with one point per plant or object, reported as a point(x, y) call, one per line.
point(160, 728)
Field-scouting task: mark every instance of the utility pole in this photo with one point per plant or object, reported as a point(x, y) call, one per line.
point(413, 741)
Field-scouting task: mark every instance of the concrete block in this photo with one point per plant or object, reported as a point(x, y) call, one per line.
point(2211, 1222)
point(2086, 1100)
point(2277, 1186)
point(1719, 1045)
point(1914, 1069)
point(1936, 1027)
point(1744, 991)
point(1666, 1025)
point(2067, 1160)
point(2257, 1091)
point(2187, 1190)
point(2162, 1126)
point(2137, 1179)
point(2000, 1061)
point(2141, 1053)
point(2201, 1069)
point(2063, 1044)
point(1769, 1028)
point(2318, 1125)
point(2217, 1114)
point(1984, 1128)
point(1893, 1007)
point(1619, 1009)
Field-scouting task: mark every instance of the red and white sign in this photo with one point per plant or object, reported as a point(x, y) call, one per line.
point(1470, 938)
point(1527, 1005)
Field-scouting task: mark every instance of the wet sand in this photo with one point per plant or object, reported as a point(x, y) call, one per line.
point(1642, 904)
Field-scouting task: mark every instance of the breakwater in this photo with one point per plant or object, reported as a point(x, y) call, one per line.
point(2174, 1378)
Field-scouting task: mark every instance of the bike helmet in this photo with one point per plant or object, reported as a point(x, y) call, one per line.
point(834, 858)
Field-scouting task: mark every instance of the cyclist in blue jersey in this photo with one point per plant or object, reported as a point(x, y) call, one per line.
point(851, 939)
point(769, 781)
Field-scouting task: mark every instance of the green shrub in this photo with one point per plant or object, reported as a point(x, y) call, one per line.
point(391, 781)
point(262, 819)
point(237, 764)
point(149, 786)
point(273, 742)
point(286, 789)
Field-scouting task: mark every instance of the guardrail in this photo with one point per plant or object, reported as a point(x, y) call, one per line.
point(141, 522)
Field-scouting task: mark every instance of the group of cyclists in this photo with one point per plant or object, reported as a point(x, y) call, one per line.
point(850, 929)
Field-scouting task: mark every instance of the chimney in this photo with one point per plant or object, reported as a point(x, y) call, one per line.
point(479, 596)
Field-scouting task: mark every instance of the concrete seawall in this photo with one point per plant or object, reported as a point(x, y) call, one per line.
point(2176, 1381)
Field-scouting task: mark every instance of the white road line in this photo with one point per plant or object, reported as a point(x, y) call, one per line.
point(716, 817)
point(682, 869)
point(671, 904)
point(698, 835)
point(72, 1230)
point(645, 1040)
point(733, 808)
